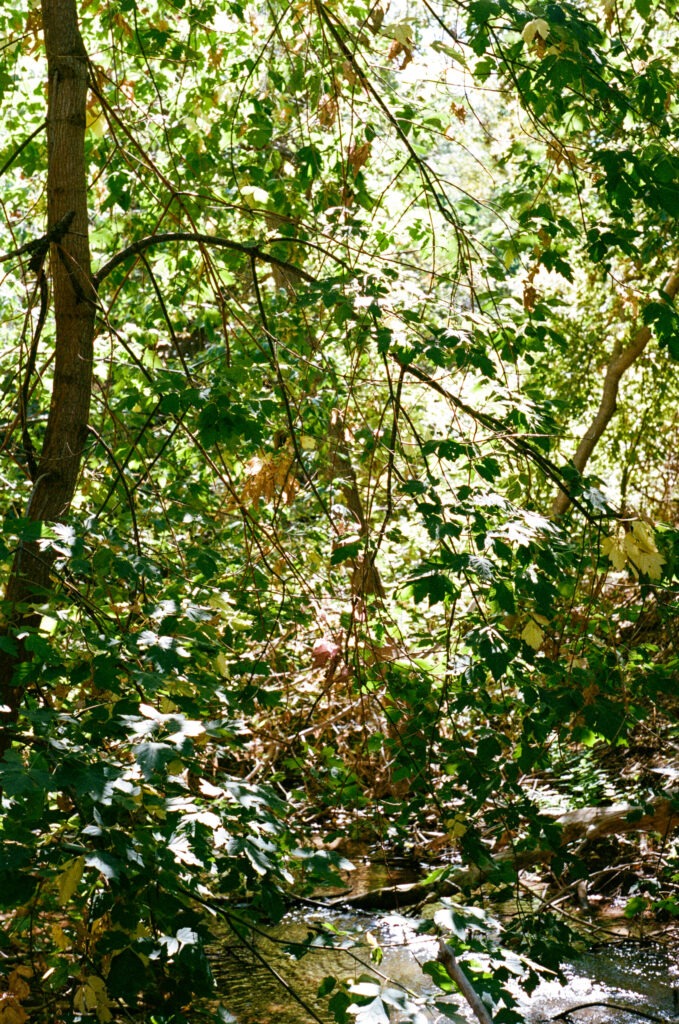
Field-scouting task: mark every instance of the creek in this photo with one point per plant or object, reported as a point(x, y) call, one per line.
point(640, 976)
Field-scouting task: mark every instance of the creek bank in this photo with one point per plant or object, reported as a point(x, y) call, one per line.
point(582, 826)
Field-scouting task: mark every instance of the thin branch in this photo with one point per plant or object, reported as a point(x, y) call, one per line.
point(271, 342)
point(22, 145)
point(449, 961)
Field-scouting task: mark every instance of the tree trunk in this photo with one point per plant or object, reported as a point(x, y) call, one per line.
point(620, 361)
point(74, 299)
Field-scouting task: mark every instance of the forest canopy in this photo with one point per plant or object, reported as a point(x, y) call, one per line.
point(338, 345)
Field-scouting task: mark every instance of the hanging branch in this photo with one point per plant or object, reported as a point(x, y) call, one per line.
point(519, 444)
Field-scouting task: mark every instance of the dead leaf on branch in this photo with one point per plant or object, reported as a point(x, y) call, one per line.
point(375, 18)
point(352, 77)
point(270, 476)
point(327, 110)
point(358, 156)
point(11, 1010)
point(323, 651)
point(395, 51)
point(529, 297)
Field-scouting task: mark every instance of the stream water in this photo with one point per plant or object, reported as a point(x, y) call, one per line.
point(639, 976)
point(635, 975)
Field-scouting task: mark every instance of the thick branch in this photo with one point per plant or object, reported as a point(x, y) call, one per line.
point(136, 248)
point(620, 361)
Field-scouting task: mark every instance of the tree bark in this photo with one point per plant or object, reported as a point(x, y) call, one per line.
point(620, 361)
point(74, 298)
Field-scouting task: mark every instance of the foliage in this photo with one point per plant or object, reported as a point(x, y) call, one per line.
point(359, 274)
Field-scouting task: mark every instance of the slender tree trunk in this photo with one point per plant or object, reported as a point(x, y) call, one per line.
point(620, 361)
point(74, 297)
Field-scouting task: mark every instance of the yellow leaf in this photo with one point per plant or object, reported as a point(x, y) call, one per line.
point(536, 27)
point(643, 534)
point(614, 551)
point(92, 996)
point(59, 937)
point(457, 826)
point(402, 33)
point(69, 879)
point(652, 565)
point(533, 635)
point(96, 123)
point(639, 544)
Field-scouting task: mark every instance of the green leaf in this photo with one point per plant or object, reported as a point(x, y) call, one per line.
point(346, 550)
point(127, 976)
point(433, 586)
point(152, 758)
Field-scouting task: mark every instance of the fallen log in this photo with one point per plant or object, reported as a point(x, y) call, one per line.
point(580, 826)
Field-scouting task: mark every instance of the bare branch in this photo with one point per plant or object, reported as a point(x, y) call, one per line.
point(620, 361)
point(449, 961)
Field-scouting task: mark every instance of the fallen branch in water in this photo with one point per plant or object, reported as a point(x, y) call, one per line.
point(609, 1006)
point(582, 826)
point(449, 961)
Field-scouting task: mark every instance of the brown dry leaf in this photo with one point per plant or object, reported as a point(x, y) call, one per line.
point(269, 476)
point(17, 984)
point(590, 694)
point(529, 297)
point(349, 73)
point(358, 156)
point(34, 29)
point(123, 25)
point(375, 18)
point(545, 238)
point(11, 1010)
point(459, 111)
point(327, 110)
point(556, 152)
point(395, 51)
point(324, 651)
